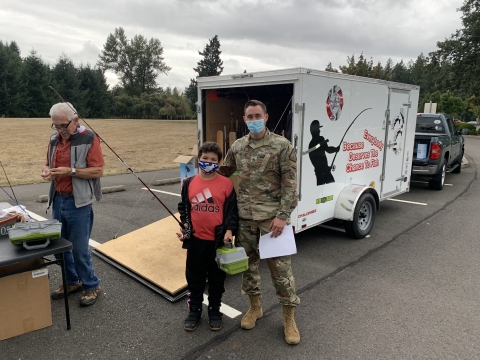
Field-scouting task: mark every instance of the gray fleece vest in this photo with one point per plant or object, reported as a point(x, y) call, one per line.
point(84, 191)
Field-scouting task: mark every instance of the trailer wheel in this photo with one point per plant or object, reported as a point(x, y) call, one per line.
point(437, 182)
point(363, 217)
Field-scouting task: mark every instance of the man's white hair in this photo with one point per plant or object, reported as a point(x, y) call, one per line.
point(65, 109)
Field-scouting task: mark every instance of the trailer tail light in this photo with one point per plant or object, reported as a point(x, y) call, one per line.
point(435, 151)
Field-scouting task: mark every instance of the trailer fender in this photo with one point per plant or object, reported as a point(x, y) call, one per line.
point(348, 198)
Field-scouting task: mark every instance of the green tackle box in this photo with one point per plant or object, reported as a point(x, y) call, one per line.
point(232, 260)
point(24, 233)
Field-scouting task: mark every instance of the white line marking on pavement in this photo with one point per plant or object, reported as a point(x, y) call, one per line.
point(227, 310)
point(163, 192)
point(426, 182)
point(408, 202)
point(91, 242)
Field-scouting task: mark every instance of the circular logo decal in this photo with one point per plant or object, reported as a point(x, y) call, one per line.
point(334, 103)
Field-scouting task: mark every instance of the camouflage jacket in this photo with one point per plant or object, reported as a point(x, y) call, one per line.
point(267, 176)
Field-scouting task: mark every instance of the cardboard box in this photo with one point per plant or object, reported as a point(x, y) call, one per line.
point(24, 300)
point(188, 163)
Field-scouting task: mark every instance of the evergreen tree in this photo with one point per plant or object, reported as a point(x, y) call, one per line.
point(211, 64)
point(191, 94)
point(360, 68)
point(37, 78)
point(93, 85)
point(67, 83)
point(387, 70)
point(330, 68)
point(400, 73)
point(12, 95)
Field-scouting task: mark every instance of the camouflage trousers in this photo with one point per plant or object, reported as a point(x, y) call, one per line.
point(280, 267)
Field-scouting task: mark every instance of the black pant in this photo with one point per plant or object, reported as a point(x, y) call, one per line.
point(201, 265)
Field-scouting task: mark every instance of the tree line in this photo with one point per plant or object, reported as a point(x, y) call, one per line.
point(448, 76)
point(25, 82)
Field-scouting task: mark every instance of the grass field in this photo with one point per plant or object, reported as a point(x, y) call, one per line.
point(145, 145)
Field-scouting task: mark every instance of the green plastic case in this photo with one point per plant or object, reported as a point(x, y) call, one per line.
point(34, 231)
point(232, 260)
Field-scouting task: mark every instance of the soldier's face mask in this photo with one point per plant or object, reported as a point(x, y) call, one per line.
point(207, 167)
point(256, 126)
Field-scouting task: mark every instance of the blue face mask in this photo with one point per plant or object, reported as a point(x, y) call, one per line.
point(207, 167)
point(256, 126)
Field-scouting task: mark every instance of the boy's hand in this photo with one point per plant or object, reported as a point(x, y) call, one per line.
point(181, 234)
point(227, 239)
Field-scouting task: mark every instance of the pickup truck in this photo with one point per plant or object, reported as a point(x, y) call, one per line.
point(438, 149)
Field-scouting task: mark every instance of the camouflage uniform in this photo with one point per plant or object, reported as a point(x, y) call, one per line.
point(267, 188)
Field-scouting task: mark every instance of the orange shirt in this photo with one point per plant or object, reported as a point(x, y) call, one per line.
point(207, 200)
point(61, 158)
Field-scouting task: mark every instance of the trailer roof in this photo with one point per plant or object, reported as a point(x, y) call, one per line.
point(288, 75)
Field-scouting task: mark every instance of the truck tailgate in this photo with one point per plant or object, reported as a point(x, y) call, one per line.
point(421, 149)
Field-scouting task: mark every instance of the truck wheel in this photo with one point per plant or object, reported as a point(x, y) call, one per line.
point(458, 169)
point(437, 182)
point(363, 217)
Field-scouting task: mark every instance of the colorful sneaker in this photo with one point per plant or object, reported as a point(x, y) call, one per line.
point(89, 297)
point(58, 294)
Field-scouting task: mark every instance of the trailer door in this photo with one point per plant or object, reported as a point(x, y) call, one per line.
point(395, 138)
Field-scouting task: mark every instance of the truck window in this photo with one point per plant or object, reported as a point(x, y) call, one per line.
point(428, 124)
point(451, 126)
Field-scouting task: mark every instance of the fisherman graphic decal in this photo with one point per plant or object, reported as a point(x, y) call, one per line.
point(317, 148)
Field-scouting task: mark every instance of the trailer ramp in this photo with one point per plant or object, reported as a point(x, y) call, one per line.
point(152, 255)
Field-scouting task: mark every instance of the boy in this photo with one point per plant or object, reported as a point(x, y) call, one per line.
point(209, 212)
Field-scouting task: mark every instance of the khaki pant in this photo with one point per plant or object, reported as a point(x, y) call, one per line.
point(280, 267)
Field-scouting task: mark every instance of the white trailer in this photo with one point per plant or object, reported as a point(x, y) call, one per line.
point(353, 137)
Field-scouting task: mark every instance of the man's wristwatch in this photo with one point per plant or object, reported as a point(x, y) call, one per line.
point(74, 172)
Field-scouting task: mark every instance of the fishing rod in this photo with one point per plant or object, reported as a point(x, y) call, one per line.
point(16, 202)
point(119, 158)
point(331, 166)
point(14, 199)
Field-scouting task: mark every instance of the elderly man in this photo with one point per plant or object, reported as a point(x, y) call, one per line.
point(267, 194)
point(74, 166)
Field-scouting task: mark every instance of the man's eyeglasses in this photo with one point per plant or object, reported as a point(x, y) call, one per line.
point(62, 126)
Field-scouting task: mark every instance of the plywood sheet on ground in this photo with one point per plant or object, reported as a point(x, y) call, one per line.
point(153, 252)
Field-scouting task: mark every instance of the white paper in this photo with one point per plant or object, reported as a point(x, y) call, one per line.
point(282, 245)
point(422, 151)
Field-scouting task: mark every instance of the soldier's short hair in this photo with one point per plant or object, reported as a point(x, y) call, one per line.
point(210, 147)
point(254, 103)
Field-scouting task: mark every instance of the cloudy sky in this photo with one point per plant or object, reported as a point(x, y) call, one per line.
point(255, 35)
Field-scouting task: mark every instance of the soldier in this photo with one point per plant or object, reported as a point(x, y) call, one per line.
point(267, 194)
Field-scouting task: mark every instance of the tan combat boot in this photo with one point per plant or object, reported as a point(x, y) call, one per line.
point(255, 312)
point(292, 335)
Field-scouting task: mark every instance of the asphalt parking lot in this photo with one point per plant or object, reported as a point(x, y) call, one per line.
point(129, 321)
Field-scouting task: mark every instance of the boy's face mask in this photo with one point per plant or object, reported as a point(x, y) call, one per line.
point(207, 167)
